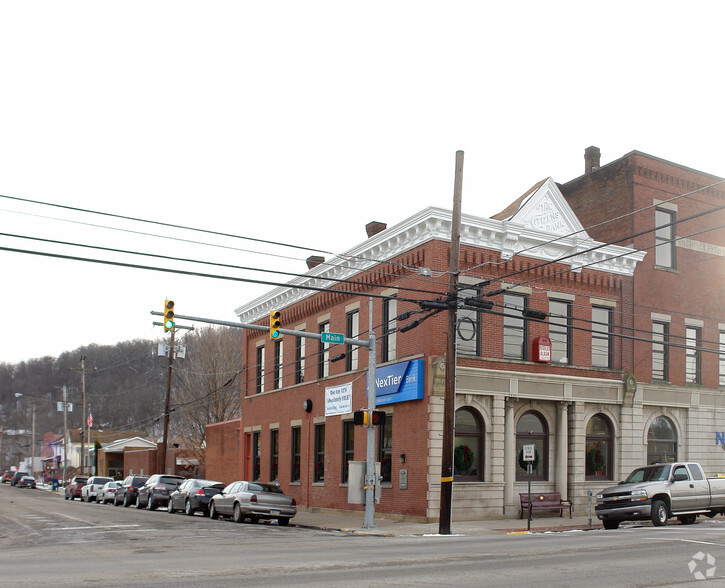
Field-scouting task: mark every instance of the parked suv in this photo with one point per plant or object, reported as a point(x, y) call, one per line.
point(155, 492)
point(16, 477)
point(93, 487)
point(73, 490)
point(127, 491)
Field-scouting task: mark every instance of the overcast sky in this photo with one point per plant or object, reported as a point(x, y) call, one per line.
point(215, 115)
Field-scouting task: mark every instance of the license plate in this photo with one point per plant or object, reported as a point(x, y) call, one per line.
point(273, 512)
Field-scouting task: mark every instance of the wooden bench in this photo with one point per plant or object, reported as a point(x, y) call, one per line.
point(544, 501)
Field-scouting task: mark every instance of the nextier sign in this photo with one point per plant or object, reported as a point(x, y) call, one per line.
point(399, 382)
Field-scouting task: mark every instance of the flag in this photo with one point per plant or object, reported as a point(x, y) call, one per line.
point(90, 420)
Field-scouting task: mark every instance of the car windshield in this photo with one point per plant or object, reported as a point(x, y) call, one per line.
point(138, 482)
point(649, 474)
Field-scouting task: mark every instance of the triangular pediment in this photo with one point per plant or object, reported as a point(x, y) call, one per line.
point(545, 209)
point(132, 443)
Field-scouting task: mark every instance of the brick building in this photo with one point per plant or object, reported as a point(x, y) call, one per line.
point(677, 338)
point(563, 384)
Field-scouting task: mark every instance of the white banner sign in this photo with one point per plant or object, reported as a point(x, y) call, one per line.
point(338, 399)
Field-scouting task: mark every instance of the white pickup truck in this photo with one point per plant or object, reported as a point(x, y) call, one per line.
point(658, 492)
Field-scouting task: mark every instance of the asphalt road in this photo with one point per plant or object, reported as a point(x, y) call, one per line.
point(45, 541)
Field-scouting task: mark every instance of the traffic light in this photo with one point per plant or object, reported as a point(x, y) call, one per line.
point(169, 321)
point(360, 417)
point(274, 323)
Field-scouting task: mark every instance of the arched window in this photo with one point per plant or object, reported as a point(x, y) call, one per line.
point(599, 449)
point(661, 441)
point(531, 430)
point(468, 446)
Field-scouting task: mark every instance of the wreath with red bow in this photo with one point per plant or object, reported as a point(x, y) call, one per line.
point(463, 458)
point(595, 460)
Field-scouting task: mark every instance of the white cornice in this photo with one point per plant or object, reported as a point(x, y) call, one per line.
point(509, 237)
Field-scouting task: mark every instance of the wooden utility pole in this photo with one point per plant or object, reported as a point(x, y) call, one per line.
point(444, 521)
point(167, 404)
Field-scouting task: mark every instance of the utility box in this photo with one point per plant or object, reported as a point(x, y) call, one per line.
point(403, 479)
point(356, 482)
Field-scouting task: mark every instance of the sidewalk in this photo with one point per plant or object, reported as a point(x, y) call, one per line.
point(353, 523)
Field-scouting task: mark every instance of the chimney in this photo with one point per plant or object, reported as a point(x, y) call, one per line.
point(374, 228)
point(592, 157)
point(314, 261)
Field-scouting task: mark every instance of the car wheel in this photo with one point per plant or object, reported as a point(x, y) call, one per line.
point(66, 497)
point(212, 512)
point(283, 522)
point(170, 507)
point(126, 501)
point(238, 517)
point(688, 519)
point(151, 504)
point(187, 509)
point(138, 501)
point(610, 524)
point(659, 513)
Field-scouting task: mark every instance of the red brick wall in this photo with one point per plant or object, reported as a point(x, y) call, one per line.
point(692, 289)
point(223, 460)
point(139, 462)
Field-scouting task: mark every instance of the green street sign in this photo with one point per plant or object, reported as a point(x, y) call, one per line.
point(332, 337)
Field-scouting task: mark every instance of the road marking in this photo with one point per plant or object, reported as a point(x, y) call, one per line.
point(688, 541)
point(93, 527)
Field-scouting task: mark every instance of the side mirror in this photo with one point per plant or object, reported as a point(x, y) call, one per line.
point(680, 477)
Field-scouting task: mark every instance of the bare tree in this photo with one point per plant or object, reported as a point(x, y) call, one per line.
point(207, 385)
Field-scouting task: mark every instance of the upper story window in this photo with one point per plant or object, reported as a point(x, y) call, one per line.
point(278, 363)
point(664, 238)
point(299, 359)
point(515, 328)
point(602, 337)
point(388, 343)
point(693, 340)
point(560, 331)
point(352, 332)
point(323, 352)
point(722, 358)
point(259, 388)
point(660, 351)
point(468, 328)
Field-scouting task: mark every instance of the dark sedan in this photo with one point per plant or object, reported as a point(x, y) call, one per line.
point(155, 492)
point(254, 501)
point(194, 496)
point(127, 491)
point(26, 482)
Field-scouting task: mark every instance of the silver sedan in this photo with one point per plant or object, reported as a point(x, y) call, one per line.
point(254, 501)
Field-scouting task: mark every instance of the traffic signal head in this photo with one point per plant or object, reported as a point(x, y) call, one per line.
point(169, 320)
point(378, 418)
point(274, 323)
point(358, 417)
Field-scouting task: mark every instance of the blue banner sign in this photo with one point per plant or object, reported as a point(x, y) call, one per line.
point(399, 382)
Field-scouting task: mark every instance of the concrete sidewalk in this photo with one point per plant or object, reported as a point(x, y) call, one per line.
point(352, 522)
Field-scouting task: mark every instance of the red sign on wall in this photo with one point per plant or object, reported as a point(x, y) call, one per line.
point(542, 349)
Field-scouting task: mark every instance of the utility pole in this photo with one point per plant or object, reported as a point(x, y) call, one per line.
point(83, 428)
point(32, 442)
point(449, 404)
point(371, 479)
point(65, 433)
point(168, 402)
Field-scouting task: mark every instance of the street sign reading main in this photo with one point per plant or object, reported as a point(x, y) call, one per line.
point(326, 337)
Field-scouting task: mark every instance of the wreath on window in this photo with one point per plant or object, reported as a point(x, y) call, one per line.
point(595, 460)
point(523, 464)
point(463, 458)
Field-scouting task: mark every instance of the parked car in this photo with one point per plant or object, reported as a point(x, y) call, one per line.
point(255, 501)
point(108, 492)
point(194, 495)
point(155, 492)
point(16, 477)
point(8, 476)
point(127, 491)
point(26, 482)
point(93, 486)
point(73, 490)
point(660, 491)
